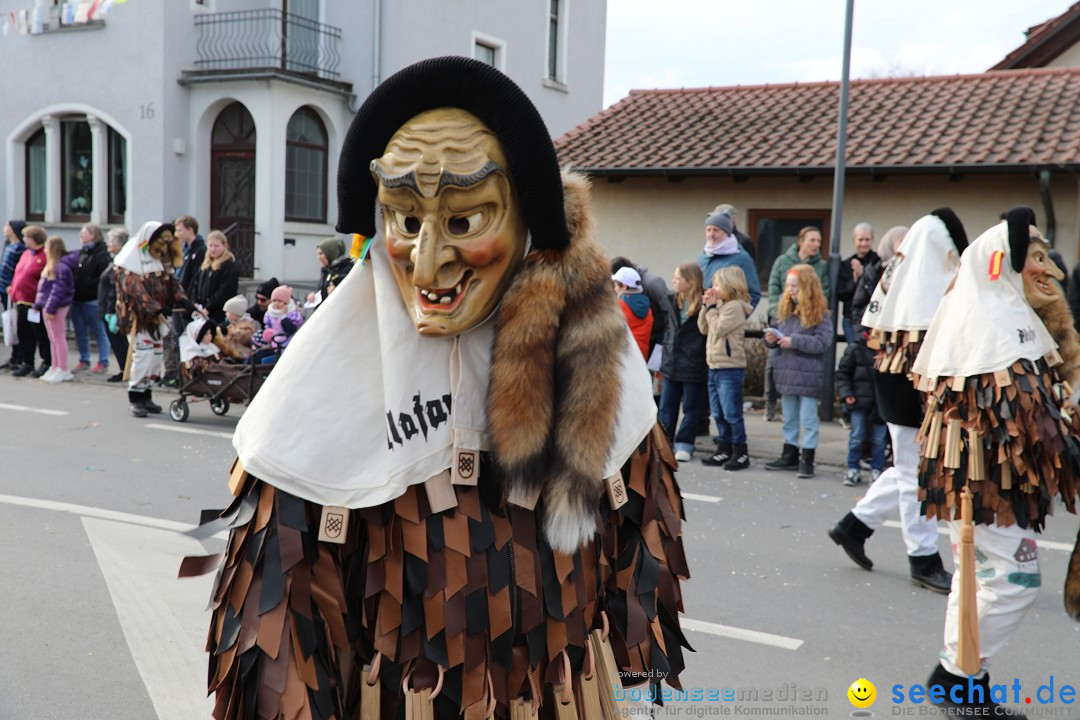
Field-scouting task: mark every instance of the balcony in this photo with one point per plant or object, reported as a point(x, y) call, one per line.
point(255, 44)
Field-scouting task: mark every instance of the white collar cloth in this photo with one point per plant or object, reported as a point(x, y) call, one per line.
point(985, 323)
point(914, 281)
point(361, 406)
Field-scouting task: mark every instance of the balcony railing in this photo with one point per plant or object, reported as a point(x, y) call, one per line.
point(267, 40)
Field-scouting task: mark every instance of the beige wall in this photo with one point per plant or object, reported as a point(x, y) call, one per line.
point(660, 224)
point(1069, 58)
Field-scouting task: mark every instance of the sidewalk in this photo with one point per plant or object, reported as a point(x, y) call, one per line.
point(765, 440)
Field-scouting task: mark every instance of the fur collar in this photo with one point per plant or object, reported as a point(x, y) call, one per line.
point(1058, 320)
point(555, 376)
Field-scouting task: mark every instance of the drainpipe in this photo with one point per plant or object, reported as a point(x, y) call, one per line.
point(376, 45)
point(1048, 205)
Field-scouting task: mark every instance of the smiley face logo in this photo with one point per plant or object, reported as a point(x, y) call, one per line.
point(862, 693)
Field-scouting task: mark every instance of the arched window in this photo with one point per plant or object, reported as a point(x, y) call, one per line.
point(305, 167)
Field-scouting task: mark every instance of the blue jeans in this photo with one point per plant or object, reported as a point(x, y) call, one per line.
point(849, 331)
point(859, 420)
point(690, 395)
point(800, 413)
point(726, 400)
point(84, 316)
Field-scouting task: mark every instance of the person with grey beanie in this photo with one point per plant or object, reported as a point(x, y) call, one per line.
point(722, 249)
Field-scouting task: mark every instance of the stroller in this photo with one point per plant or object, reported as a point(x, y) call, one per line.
point(218, 382)
point(204, 376)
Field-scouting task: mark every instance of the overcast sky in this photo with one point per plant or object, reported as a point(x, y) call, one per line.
point(698, 43)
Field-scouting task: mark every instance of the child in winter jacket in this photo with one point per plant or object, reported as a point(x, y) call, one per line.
point(280, 323)
point(55, 293)
point(727, 305)
point(802, 334)
point(855, 385)
point(683, 363)
point(635, 306)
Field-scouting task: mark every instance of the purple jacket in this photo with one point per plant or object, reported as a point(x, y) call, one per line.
point(60, 291)
point(800, 370)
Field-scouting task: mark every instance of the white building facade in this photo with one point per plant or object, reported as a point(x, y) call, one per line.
point(233, 111)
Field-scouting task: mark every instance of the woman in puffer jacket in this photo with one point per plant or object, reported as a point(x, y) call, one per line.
point(56, 291)
point(802, 333)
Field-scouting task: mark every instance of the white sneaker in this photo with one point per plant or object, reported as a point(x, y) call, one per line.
point(851, 477)
point(64, 376)
point(49, 374)
point(874, 475)
point(682, 456)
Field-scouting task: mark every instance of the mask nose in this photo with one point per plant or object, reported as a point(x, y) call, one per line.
point(426, 255)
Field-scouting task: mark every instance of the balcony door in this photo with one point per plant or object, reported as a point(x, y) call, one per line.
point(301, 29)
point(232, 183)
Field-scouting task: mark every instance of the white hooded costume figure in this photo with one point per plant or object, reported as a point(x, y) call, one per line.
point(147, 291)
point(997, 424)
point(900, 310)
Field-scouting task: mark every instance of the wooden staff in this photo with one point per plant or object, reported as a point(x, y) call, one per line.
point(967, 656)
point(131, 349)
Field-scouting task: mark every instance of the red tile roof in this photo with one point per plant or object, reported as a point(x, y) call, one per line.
point(1045, 41)
point(994, 121)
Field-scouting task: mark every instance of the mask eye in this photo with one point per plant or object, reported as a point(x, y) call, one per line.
point(464, 225)
point(408, 223)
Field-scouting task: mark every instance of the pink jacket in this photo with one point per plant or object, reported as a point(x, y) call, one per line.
point(27, 273)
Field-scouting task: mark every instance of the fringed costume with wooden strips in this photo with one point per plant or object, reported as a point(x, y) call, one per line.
point(1006, 435)
point(475, 589)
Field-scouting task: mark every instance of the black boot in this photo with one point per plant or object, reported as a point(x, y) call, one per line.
point(23, 370)
point(930, 573)
point(721, 456)
point(806, 464)
point(148, 402)
point(788, 460)
point(740, 459)
point(138, 404)
point(972, 693)
point(851, 533)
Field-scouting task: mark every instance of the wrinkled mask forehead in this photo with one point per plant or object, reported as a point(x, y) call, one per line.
point(452, 223)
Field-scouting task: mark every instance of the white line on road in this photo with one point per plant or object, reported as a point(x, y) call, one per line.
point(87, 511)
point(702, 498)
point(1048, 544)
point(40, 411)
point(735, 633)
point(190, 431)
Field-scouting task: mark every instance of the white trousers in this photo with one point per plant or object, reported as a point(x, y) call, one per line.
point(1007, 582)
point(900, 483)
point(147, 361)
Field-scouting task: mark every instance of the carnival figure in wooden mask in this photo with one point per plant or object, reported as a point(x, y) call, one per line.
point(439, 532)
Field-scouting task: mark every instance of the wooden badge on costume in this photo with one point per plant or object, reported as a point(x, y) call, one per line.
point(440, 493)
point(616, 489)
point(237, 475)
point(334, 524)
point(466, 467)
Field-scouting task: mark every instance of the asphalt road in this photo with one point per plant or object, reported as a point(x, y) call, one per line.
point(96, 625)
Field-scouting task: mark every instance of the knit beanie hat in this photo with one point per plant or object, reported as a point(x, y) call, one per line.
point(282, 293)
point(17, 226)
point(721, 220)
point(268, 287)
point(236, 305)
point(332, 248)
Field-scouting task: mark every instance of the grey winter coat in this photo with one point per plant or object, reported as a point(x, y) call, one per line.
point(800, 370)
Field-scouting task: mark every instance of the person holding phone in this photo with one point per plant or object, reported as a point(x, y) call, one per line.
point(801, 337)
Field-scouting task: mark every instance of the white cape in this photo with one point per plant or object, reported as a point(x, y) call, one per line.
point(913, 283)
point(361, 406)
point(985, 323)
point(135, 257)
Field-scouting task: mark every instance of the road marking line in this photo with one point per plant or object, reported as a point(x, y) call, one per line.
point(702, 498)
point(163, 617)
point(103, 514)
point(40, 411)
point(1048, 544)
point(785, 643)
point(190, 431)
